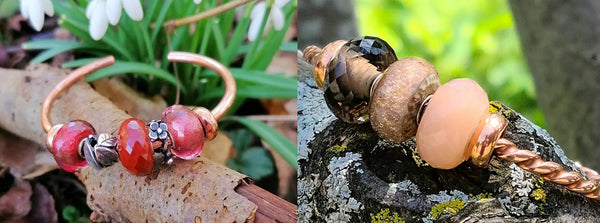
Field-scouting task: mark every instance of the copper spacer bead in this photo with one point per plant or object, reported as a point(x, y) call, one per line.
point(320, 58)
point(50, 137)
point(208, 121)
point(485, 137)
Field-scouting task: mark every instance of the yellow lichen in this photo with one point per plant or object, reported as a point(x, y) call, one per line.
point(539, 194)
point(384, 216)
point(337, 149)
point(481, 197)
point(451, 207)
point(494, 106)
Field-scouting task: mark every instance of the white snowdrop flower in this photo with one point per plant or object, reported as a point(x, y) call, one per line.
point(197, 1)
point(275, 19)
point(102, 12)
point(34, 10)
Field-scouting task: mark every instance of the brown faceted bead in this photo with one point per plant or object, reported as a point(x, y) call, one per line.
point(398, 95)
point(350, 75)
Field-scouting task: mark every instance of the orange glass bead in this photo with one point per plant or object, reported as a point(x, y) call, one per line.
point(135, 150)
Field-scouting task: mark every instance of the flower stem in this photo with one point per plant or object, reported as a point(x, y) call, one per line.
point(171, 24)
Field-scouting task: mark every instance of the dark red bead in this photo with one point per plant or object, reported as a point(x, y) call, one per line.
point(135, 150)
point(65, 146)
point(186, 129)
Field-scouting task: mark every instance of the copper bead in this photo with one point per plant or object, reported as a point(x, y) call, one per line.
point(397, 96)
point(485, 137)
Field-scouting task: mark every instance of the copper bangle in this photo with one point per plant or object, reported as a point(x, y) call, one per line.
point(180, 133)
point(218, 111)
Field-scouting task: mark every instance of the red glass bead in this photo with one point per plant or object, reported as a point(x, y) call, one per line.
point(186, 129)
point(135, 150)
point(65, 146)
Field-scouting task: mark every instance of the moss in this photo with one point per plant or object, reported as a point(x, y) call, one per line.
point(539, 194)
point(384, 216)
point(452, 207)
point(337, 149)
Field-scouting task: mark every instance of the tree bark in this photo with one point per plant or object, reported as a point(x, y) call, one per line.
point(560, 42)
point(325, 21)
point(347, 173)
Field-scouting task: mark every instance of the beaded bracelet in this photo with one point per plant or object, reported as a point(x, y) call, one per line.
point(363, 81)
point(180, 133)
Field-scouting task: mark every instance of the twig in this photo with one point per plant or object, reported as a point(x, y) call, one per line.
point(271, 208)
point(171, 24)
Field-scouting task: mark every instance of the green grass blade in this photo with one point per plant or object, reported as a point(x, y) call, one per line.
point(238, 36)
point(160, 19)
point(278, 142)
point(123, 67)
point(78, 62)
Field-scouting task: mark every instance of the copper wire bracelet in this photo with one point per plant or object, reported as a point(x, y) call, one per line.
point(180, 132)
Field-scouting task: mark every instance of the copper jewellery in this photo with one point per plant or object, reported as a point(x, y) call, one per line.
point(364, 81)
point(180, 133)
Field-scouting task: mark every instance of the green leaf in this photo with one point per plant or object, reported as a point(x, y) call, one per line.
point(262, 79)
point(123, 67)
point(254, 162)
point(78, 62)
point(70, 214)
point(291, 47)
point(8, 8)
point(278, 142)
point(55, 47)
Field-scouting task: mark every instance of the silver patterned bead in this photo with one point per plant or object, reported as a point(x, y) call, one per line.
point(100, 151)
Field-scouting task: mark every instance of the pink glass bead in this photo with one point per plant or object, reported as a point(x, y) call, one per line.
point(449, 121)
point(186, 130)
point(65, 146)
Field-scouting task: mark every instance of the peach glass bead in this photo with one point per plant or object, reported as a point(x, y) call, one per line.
point(449, 121)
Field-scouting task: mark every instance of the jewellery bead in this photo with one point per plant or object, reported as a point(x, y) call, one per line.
point(50, 137)
point(350, 75)
point(209, 123)
point(320, 58)
point(449, 122)
point(484, 139)
point(135, 150)
point(65, 145)
point(398, 95)
point(186, 129)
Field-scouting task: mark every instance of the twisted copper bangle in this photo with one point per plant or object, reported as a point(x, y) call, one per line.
point(218, 112)
point(487, 139)
point(548, 170)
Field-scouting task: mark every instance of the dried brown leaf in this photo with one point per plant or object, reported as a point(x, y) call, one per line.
point(219, 149)
point(132, 102)
point(42, 206)
point(15, 204)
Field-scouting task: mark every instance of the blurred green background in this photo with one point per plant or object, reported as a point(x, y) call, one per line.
point(473, 39)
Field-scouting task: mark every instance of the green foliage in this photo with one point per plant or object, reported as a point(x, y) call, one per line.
point(141, 48)
point(8, 8)
point(472, 39)
point(72, 215)
point(252, 161)
point(278, 142)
